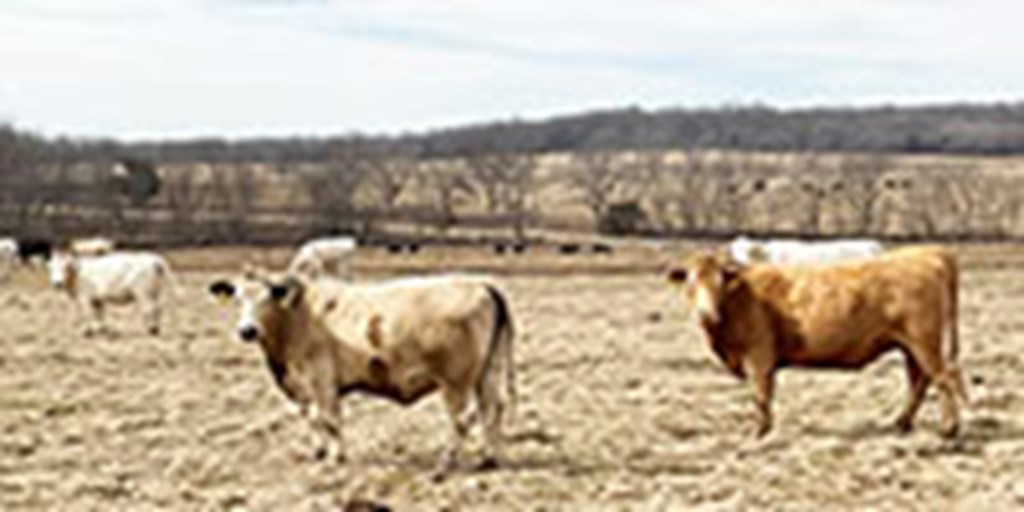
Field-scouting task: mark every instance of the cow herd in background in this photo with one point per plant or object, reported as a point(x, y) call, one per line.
point(762, 304)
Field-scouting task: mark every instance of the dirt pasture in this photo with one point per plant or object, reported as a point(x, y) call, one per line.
point(622, 407)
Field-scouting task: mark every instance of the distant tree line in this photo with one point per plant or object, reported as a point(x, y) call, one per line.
point(993, 129)
point(608, 168)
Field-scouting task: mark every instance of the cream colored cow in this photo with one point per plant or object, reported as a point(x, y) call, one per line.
point(399, 340)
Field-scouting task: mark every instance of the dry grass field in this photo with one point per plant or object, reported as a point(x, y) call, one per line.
point(622, 407)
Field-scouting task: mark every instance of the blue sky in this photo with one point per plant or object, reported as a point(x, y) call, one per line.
point(178, 68)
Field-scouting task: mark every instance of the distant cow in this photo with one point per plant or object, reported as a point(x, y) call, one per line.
point(400, 340)
point(30, 249)
point(112, 279)
point(8, 256)
point(760, 318)
point(569, 249)
point(324, 256)
point(745, 250)
point(96, 246)
point(510, 247)
point(600, 248)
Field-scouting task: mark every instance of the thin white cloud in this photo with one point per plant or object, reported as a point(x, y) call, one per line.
point(187, 67)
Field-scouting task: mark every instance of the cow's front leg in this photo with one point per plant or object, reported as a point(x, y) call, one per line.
point(762, 378)
point(95, 323)
point(325, 416)
point(152, 316)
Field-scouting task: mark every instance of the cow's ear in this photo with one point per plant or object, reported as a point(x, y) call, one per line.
point(731, 270)
point(287, 293)
point(222, 290)
point(676, 275)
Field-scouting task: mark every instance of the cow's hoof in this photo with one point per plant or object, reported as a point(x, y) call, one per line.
point(320, 454)
point(950, 431)
point(488, 463)
point(903, 426)
point(442, 470)
point(438, 475)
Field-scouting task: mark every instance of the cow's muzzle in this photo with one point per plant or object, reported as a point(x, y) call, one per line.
point(249, 333)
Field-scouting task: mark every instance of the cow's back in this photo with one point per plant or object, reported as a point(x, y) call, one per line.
point(853, 308)
point(422, 311)
point(122, 274)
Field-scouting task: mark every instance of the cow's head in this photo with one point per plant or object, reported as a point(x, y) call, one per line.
point(63, 270)
point(705, 279)
point(263, 301)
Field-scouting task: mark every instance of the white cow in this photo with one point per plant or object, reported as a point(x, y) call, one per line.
point(8, 256)
point(115, 278)
point(324, 256)
point(96, 246)
point(788, 252)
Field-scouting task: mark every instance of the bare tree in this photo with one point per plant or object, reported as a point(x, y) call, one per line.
point(186, 197)
point(1007, 206)
point(860, 187)
point(506, 183)
point(595, 176)
point(489, 173)
point(520, 189)
point(445, 185)
point(388, 178)
point(235, 190)
point(333, 189)
point(654, 176)
point(22, 190)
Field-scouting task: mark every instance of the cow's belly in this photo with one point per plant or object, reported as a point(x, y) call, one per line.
point(119, 298)
point(402, 387)
point(836, 353)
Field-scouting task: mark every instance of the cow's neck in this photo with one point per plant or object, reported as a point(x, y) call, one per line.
point(723, 339)
point(294, 334)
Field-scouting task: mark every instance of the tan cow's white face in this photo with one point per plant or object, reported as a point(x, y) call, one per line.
point(704, 279)
point(262, 302)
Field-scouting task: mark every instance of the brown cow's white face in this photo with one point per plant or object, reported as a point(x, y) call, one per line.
point(262, 301)
point(704, 279)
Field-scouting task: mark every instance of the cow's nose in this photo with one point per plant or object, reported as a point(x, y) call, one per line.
point(249, 333)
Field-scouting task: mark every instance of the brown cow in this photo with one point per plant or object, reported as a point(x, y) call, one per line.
point(399, 340)
point(763, 317)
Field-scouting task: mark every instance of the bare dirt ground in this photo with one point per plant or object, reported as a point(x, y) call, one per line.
point(622, 407)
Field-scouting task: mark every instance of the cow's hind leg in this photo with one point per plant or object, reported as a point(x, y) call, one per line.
point(492, 410)
point(461, 415)
point(918, 385)
point(929, 358)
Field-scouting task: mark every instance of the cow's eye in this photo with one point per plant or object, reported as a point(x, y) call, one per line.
point(222, 289)
point(278, 292)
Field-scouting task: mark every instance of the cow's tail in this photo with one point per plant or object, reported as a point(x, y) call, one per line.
point(953, 327)
point(500, 357)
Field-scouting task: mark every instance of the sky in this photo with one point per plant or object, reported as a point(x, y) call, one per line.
point(144, 69)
